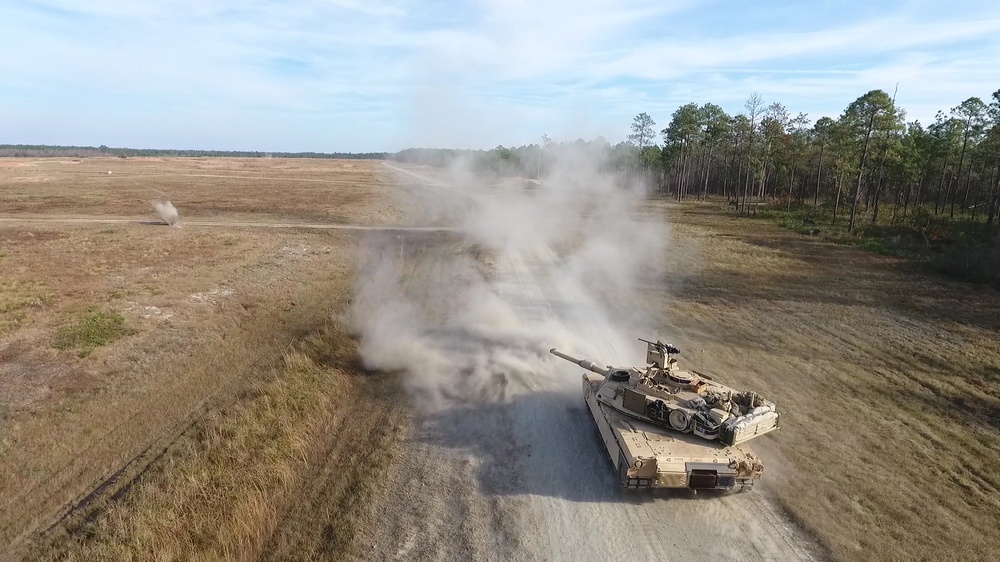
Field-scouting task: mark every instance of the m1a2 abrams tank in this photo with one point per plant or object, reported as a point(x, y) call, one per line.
point(668, 428)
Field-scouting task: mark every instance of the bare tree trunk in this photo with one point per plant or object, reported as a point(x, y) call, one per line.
point(878, 198)
point(881, 178)
point(995, 196)
point(819, 175)
point(738, 184)
point(920, 189)
point(708, 164)
point(968, 188)
point(836, 205)
point(729, 175)
point(952, 194)
point(961, 161)
point(861, 171)
point(940, 190)
point(791, 184)
point(680, 173)
point(763, 181)
point(878, 193)
point(682, 190)
point(746, 189)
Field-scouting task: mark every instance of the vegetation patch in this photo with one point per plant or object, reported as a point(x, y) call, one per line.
point(17, 298)
point(95, 329)
point(957, 247)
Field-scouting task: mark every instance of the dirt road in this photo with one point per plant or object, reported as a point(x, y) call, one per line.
point(521, 475)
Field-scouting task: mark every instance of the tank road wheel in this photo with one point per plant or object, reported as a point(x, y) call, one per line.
point(679, 420)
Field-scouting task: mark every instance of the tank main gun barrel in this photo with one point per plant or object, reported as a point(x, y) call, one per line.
point(589, 365)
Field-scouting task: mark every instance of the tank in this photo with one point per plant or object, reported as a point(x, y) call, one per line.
point(666, 427)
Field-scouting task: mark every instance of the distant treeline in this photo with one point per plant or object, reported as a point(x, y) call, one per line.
point(530, 161)
point(866, 159)
point(857, 164)
point(929, 191)
point(41, 151)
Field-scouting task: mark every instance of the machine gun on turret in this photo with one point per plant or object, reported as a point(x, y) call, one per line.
point(658, 353)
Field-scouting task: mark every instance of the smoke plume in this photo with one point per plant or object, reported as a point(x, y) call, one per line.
point(532, 265)
point(166, 211)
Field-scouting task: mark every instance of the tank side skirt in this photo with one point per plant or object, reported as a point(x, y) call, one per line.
point(607, 436)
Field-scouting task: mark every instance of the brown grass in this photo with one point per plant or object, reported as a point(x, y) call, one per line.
point(205, 188)
point(230, 392)
point(889, 382)
point(17, 297)
point(229, 486)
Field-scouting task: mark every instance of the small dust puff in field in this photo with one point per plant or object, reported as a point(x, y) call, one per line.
point(167, 212)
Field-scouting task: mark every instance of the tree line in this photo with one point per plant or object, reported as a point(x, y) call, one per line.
point(529, 161)
point(867, 158)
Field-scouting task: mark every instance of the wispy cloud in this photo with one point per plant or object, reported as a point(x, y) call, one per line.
point(381, 74)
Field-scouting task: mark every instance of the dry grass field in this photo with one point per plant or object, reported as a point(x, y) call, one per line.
point(190, 393)
point(236, 189)
point(202, 370)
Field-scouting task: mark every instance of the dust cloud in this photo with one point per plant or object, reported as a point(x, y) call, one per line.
point(534, 265)
point(167, 212)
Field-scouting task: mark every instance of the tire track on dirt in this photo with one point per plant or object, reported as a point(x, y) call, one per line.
point(115, 483)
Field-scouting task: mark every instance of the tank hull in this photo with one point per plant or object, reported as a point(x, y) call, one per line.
point(650, 456)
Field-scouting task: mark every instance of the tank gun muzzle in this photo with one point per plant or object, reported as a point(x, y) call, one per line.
point(589, 365)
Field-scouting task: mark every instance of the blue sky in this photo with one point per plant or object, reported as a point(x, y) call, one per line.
point(366, 75)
